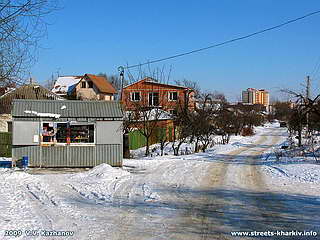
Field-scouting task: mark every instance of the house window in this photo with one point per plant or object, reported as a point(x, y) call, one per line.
point(135, 96)
point(83, 84)
point(153, 99)
point(173, 96)
point(90, 84)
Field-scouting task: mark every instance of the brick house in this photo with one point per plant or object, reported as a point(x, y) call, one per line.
point(87, 87)
point(152, 94)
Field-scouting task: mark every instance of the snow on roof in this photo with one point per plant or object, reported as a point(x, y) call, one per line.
point(159, 114)
point(65, 84)
point(10, 90)
point(50, 115)
point(153, 114)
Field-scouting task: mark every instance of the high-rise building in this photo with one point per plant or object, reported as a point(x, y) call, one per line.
point(249, 96)
point(254, 96)
point(262, 97)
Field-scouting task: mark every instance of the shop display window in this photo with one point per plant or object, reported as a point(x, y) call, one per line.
point(48, 132)
point(67, 133)
point(82, 133)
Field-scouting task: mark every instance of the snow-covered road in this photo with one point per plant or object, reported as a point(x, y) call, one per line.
point(198, 196)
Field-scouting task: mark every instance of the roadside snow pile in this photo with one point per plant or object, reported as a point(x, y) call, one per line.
point(104, 171)
point(99, 183)
point(18, 175)
point(3, 170)
point(298, 172)
point(5, 159)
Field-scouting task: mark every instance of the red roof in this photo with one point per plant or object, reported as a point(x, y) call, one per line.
point(101, 83)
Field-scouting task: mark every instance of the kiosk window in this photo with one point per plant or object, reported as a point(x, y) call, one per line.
point(48, 132)
point(82, 133)
point(60, 132)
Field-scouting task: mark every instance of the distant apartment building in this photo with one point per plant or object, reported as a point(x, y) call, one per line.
point(249, 96)
point(254, 96)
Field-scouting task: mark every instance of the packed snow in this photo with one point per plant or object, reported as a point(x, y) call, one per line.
point(147, 192)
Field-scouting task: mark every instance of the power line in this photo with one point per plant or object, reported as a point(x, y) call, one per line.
point(225, 42)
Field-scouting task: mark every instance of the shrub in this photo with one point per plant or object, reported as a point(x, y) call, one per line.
point(247, 131)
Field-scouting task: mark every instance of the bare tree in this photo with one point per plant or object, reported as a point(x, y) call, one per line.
point(224, 122)
point(162, 138)
point(199, 124)
point(146, 121)
point(144, 113)
point(305, 113)
point(296, 122)
point(115, 81)
point(282, 110)
point(182, 128)
point(22, 25)
point(202, 120)
point(190, 84)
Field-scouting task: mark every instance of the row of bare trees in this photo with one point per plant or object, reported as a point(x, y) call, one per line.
point(212, 116)
point(302, 116)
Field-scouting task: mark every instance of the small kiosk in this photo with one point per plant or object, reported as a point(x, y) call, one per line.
point(64, 133)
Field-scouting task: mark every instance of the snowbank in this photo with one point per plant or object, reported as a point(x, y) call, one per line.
point(102, 172)
point(307, 173)
point(5, 159)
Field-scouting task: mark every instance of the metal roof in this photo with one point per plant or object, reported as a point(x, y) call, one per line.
point(67, 108)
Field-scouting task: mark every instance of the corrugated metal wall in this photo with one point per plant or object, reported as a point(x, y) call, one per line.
point(106, 115)
point(109, 132)
point(24, 132)
point(70, 156)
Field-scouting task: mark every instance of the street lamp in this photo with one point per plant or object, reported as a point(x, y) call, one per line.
point(121, 72)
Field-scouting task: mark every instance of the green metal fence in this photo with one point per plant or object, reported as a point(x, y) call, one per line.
point(5, 144)
point(137, 140)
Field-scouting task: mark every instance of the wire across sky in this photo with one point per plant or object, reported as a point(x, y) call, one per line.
point(225, 42)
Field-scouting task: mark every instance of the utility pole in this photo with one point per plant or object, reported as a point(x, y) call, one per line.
point(121, 72)
point(308, 87)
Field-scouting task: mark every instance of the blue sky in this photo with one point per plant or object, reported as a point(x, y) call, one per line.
point(98, 36)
